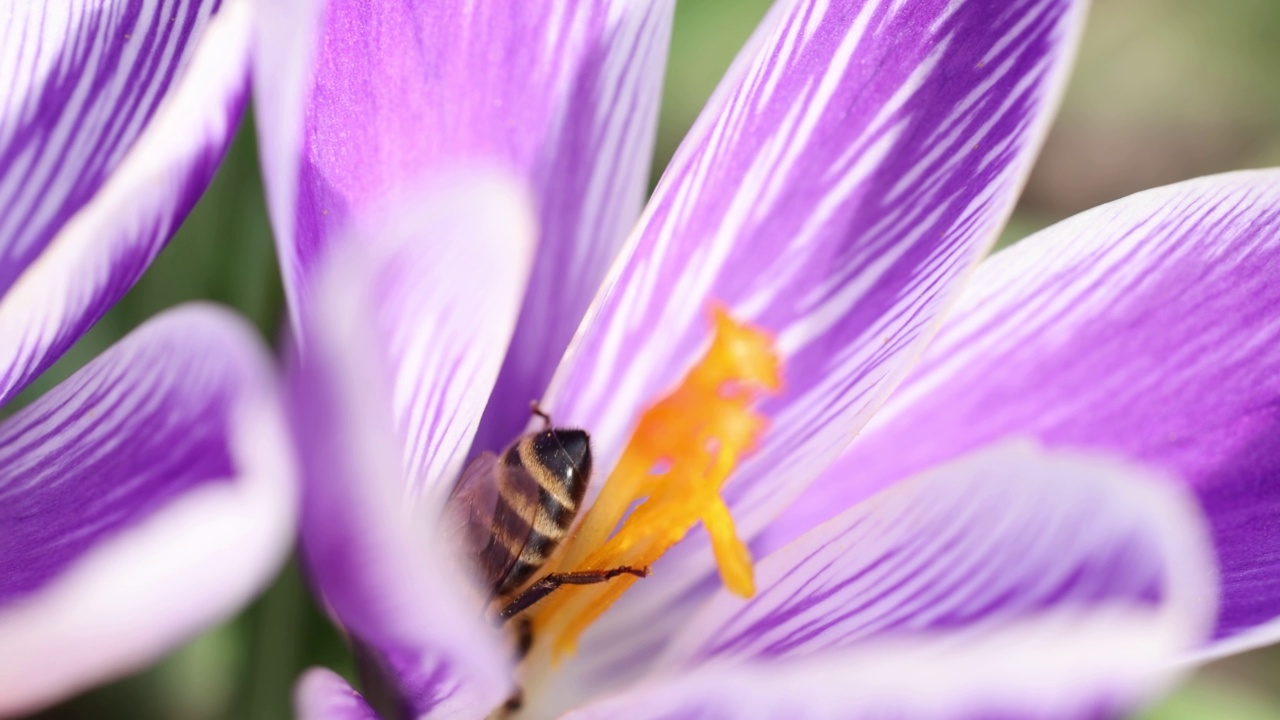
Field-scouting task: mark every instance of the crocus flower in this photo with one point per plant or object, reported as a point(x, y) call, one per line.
point(151, 494)
point(1019, 532)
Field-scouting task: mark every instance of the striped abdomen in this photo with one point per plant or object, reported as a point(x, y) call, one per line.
point(541, 479)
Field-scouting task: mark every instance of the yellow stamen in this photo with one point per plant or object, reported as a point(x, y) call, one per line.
point(678, 459)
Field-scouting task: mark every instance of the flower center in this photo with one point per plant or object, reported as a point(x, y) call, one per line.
point(678, 459)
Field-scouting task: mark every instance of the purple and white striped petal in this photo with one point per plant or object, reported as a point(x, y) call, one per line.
point(563, 95)
point(856, 161)
point(323, 695)
point(1075, 667)
point(285, 34)
point(1148, 327)
point(1006, 534)
point(444, 313)
point(142, 500)
point(397, 314)
point(115, 115)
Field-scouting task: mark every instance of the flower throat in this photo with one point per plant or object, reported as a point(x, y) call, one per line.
point(682, 451)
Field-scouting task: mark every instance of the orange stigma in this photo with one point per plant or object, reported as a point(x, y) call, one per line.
point(682, 451)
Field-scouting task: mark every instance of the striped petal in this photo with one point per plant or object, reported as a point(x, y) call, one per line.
point(1146, 327)
point(445, 313)
point(1073, 667)
point(115, 115)
point(144, 499)
point(858, 158)
point(410, 315)
point(323, 695)
point(1008, 534)
point(561, 94)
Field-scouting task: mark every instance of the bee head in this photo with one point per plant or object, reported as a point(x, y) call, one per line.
point(565, 453)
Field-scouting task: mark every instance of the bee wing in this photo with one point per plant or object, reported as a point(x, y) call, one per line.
point(490, 532)
point(469, 510)
point(503, 560)
point(491, 513)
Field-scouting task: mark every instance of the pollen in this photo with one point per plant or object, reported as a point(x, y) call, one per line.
point(675, 465)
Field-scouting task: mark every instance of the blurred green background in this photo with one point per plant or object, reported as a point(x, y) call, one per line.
point(1164, 90)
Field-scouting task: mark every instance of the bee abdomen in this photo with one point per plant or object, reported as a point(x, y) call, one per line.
point(540, 487)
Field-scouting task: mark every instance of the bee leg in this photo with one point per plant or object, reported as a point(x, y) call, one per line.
point(515, 702)
point(508, 708)
point(524, 637)
point(536, 409)
point(549, 583)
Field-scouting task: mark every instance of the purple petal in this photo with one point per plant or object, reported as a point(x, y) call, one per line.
point(1004, 535)
point(395, 332)
point(855, 162)
point(285, 33)
point(115, 117)
point(1078, 667)
point(82, 81)
point(445, 313)
point(563, 95)
point(144, 499)
point(1145, 327)
point(323, 695)
point(1011, 531)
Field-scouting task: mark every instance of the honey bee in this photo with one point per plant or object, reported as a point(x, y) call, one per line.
point(512, 510)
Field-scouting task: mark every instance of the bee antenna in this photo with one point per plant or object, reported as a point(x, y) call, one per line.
point(536, 409)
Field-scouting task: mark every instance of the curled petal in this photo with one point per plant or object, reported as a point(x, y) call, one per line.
point(147, 497)
point(1145, 327)
point(563, 95)
point(395, 315)
point(285, 35)
point(1006, 534)
point(116, 119)
point(444, 313)
point(323, 695)
point(856, 161)
point(1075, 666)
